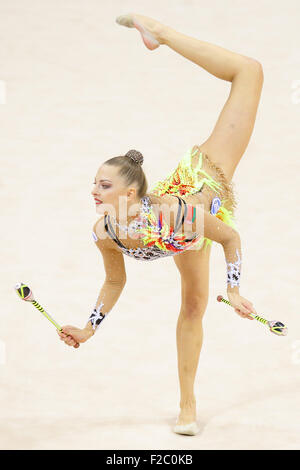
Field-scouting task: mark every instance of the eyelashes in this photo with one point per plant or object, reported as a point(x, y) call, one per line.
point(104, 187)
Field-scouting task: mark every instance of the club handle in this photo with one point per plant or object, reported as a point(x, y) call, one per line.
point(40, 308)
point(220, 298)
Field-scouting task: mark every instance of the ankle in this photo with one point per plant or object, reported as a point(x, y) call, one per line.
point(189, 403)
point(162, 33)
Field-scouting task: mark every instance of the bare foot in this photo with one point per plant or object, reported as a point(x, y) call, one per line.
point(150, 29)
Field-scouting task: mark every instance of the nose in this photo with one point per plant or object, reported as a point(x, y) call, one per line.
point(94, 192)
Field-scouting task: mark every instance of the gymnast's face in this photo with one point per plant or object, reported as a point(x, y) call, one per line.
point(110, 192)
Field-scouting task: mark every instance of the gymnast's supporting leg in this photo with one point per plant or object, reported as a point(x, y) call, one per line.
point(194, 270)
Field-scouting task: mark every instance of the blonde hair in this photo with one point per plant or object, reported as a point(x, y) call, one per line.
point(130, 168)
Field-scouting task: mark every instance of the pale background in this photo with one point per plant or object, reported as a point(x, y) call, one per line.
point(81, 89)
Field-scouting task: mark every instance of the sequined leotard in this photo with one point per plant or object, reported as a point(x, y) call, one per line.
point(153, 252)
point(159, 239)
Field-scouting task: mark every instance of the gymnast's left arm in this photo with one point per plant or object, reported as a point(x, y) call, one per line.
point(230, 240)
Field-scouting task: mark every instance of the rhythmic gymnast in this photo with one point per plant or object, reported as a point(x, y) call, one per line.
point(184, 213)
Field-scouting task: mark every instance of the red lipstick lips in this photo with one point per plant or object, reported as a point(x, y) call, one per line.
point(98, 201)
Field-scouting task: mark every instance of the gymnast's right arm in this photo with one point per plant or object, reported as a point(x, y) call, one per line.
point(114, 283)
point(111, 290)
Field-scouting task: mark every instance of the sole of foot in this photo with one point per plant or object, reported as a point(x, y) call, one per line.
point(131, 21)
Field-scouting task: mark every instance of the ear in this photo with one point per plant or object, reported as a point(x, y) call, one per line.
point(131, 193)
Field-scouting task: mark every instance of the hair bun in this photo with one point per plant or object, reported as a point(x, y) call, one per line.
point(136, 156)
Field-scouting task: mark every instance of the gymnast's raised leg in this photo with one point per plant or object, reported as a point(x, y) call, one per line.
point(231, 134)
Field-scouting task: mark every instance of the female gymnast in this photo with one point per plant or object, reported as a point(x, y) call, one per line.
point(183, 213)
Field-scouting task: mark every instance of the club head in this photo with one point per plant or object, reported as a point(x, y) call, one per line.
point(278, 328)
point(23, 291)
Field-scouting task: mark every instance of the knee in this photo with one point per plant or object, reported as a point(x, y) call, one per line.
point(257, 68)
point(194, 306)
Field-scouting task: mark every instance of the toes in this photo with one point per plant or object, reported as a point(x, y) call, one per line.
point(125, 20)
point(132, 22)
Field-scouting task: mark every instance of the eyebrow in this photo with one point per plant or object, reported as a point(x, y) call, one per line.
point(104, 180)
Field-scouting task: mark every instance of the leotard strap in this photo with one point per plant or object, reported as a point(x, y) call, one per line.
point(179, 224)
point(108, 227)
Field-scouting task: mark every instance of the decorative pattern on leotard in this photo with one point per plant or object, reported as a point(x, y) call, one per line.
point(186, 180)
point(160, 240)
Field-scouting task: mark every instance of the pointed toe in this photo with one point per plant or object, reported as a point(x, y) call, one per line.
point(125, 20)
point(131, 21)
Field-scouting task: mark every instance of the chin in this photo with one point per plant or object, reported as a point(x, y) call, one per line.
point(99, 209)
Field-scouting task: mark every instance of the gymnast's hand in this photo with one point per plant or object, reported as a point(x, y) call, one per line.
point(72, 336)
point(241, 305)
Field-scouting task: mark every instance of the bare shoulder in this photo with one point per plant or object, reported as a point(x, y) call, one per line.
point(100, 236)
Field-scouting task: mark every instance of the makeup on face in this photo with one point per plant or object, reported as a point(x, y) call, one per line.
point(106, 184)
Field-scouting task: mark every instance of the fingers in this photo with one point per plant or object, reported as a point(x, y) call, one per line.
point(248, 306)
point(68, 339)
point(243, 314)
point(246, 315)
point(71, 342)
point(245, 309)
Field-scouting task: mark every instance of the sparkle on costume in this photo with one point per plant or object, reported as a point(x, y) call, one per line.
point(233, 271)
point(159, 239)
point(96, 316)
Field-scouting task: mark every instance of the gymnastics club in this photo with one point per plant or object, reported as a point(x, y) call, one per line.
point(275, 327)
point(25, 293)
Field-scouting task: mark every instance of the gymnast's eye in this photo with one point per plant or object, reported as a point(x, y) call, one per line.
point(103, 186)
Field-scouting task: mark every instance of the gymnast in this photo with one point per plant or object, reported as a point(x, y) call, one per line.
point(184, 213)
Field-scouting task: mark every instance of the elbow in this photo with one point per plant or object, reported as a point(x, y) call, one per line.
point(232, 237)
